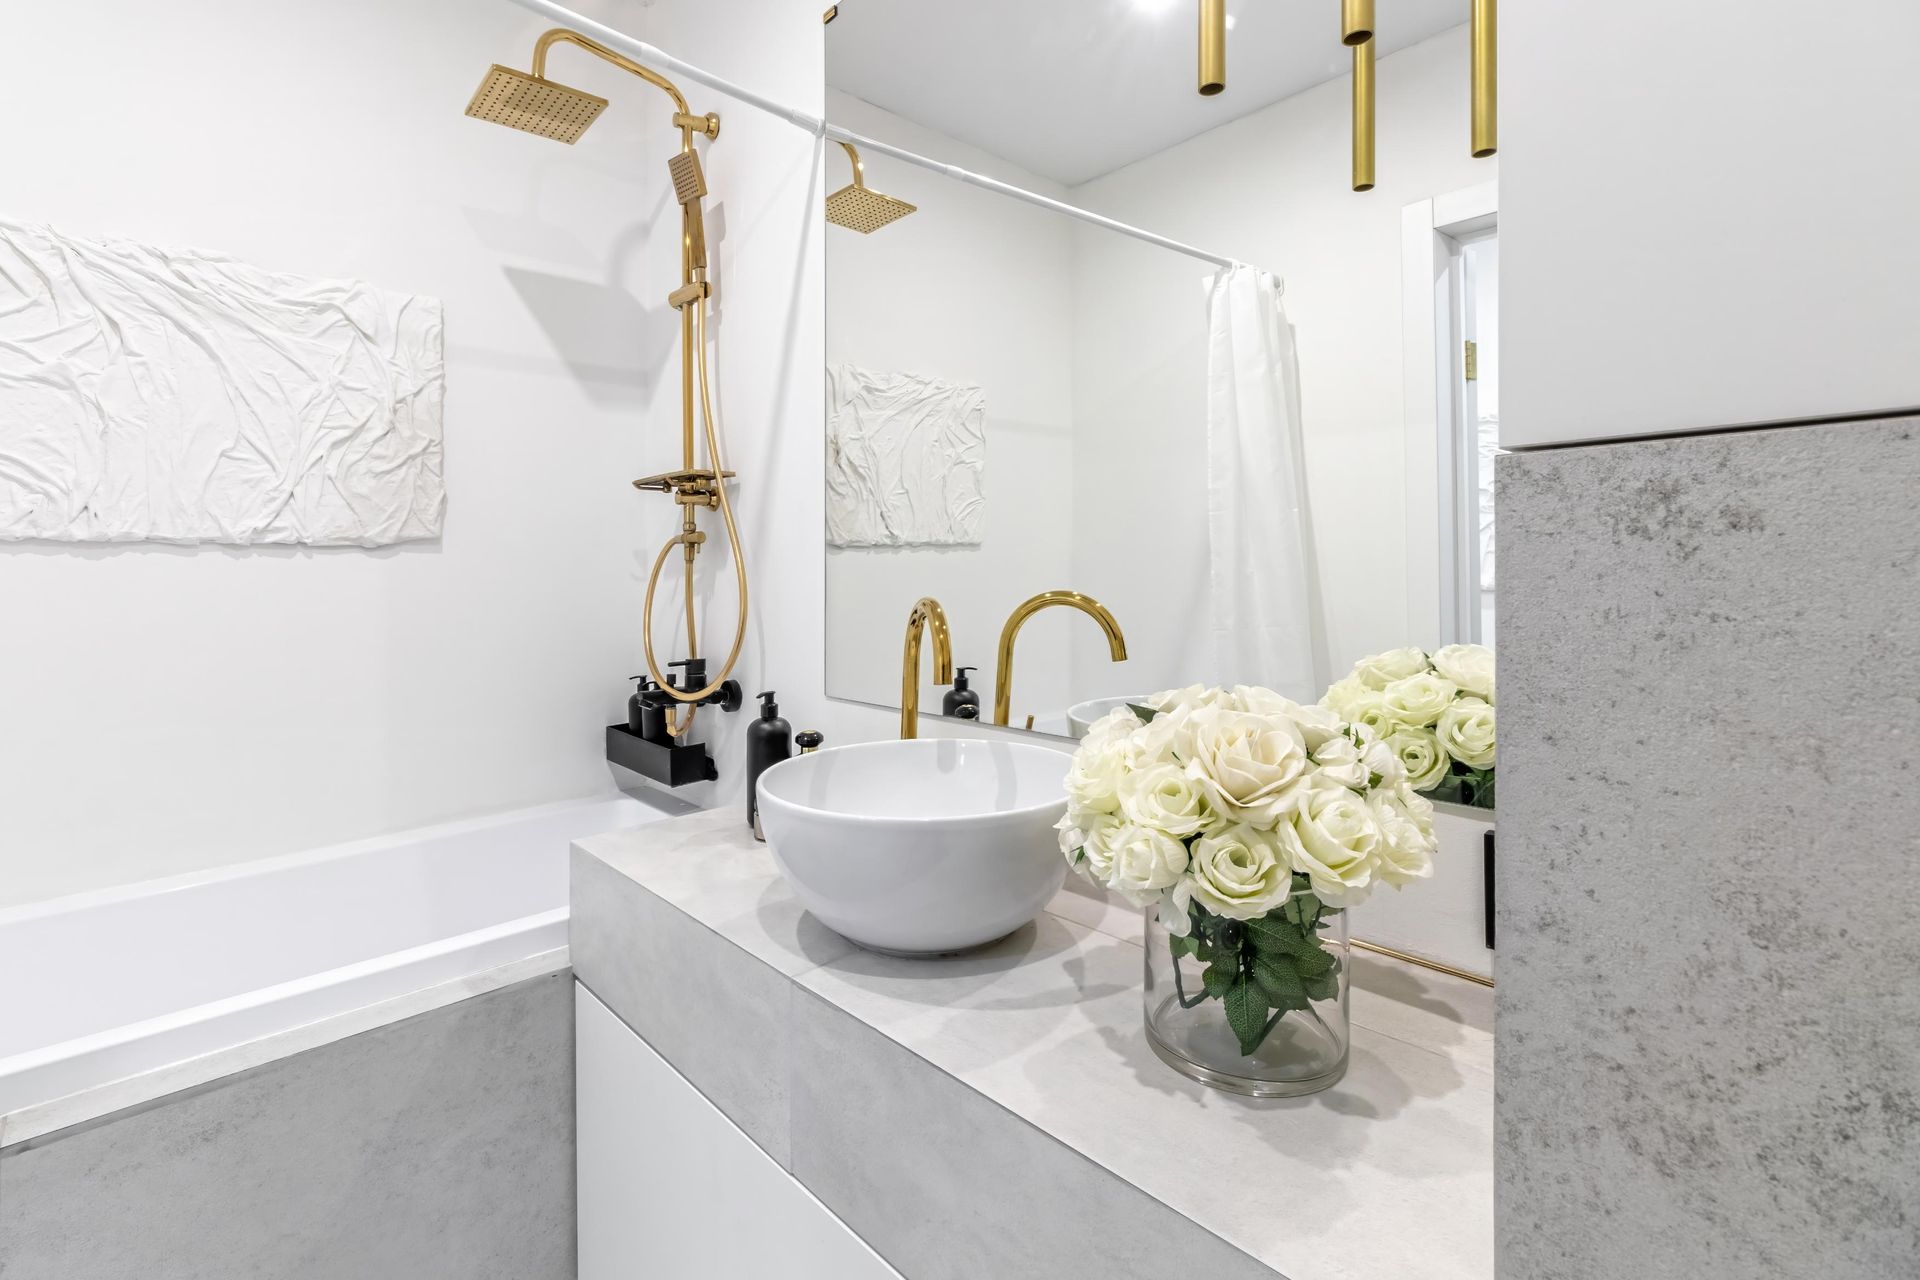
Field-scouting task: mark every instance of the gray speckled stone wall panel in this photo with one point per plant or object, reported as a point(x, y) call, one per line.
point(1709, 1019)
point(438, 1148)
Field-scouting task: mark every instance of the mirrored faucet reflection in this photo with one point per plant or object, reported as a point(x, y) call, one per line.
point(1003, 677)
point(927, 615)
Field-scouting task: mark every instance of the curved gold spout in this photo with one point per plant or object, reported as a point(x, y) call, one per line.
point(1003, 678)
point(926, 614)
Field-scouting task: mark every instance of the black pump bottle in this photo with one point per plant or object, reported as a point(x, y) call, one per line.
point(961, 696)
point(769, 741)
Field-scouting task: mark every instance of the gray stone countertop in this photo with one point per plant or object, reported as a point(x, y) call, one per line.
point(1387, 1174)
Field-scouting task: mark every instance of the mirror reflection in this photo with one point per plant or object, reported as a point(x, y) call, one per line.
point(1244, 438)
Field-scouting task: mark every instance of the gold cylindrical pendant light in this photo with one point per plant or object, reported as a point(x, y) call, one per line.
point(1486, 87)
point(1213, 47)
point(1356, 21)
point(1363, 116)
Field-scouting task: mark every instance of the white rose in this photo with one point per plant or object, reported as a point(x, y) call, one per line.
point(1146, 863)
point(1248, 766)
point(1336, 838)
point(1116, 724)
point(1165, 798)
point(1406, 846)
point(1086, 842)
point(1162, 740)
point(1468, 665)
point(1101, 831)
point(1237, 872)
point(1420, 755)
point(1342, 696)
point(1340, 762)
point(1379, 758)
point(1466, 731)
point(1093, 780)
point(1418, 700)
point(1316, 723)
point(1382, 669)
point(1191, 698)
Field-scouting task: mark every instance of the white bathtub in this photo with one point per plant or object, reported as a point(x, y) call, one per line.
point(114, 997)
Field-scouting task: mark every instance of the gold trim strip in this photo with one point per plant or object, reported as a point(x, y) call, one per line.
point(1408, 958)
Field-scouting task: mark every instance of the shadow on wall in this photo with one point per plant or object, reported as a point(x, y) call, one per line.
point(610, 340)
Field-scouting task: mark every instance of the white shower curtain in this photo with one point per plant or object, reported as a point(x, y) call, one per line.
point(1265, 598)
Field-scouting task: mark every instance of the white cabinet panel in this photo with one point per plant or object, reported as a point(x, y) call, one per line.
point(670, 1188)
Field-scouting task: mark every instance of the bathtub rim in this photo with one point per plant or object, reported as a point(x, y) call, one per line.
point(90, 1103)
point(88, 899)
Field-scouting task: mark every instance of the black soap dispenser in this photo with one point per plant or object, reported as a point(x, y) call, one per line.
point(637, 707)
point(769, 741)
point(961, 701)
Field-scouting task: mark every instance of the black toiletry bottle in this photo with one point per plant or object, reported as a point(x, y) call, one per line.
point(637, 707)
point(961, 696)
point(769, 741)
point(653, 712)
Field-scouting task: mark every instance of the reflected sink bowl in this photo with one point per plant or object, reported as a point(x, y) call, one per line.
point(920, 847)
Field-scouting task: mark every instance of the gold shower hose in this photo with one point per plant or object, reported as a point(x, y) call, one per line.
point(691, 541)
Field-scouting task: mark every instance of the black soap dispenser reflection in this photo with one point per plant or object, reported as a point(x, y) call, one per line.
point(961, 701)
point(769, 741)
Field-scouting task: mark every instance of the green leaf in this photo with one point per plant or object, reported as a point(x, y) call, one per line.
point(1246, 1014)
point(1219, 976)
point(1324, 987)
point(1316, 963)
point(1181, 946)
point(1271, 933)
point(1280, 982)
point(1146, 714)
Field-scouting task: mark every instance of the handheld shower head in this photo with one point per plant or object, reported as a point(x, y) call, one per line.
point(859, 207)
point(534, 105)
point(689, 187)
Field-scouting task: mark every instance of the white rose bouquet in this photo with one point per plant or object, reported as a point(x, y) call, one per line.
point(1246, 821)
point(1434, 711)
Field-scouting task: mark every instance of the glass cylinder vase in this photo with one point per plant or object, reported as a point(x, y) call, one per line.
point(1252, 1006)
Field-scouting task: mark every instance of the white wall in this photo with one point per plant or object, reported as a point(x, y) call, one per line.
point(1708, 214)
point(1272, 189)
point(164, 709)
point(973, 288)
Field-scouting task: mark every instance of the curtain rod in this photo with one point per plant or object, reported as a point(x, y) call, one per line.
point(661, 60)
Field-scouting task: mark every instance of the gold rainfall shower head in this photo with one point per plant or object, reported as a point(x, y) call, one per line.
point(859, 207)
point(549, 109)
point(535, 105)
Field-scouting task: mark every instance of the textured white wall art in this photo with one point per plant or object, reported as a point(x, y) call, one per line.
point(905, 457)
point(155, 395)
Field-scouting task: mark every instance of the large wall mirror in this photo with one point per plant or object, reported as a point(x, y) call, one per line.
point(1024, 403)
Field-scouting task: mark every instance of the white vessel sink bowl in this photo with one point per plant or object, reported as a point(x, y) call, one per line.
point(920, 847)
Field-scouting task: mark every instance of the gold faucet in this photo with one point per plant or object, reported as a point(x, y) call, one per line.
point(1003, 680)
point(927, 613)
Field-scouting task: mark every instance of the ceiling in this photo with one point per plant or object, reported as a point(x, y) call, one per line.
point(1072, 89)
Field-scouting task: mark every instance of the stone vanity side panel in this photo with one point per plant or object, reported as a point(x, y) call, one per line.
point(716, 1013)
point(1709, 894)
point(947, 1185)
point(437, 1147)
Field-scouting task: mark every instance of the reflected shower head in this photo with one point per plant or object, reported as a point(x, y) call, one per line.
point(534, 105)
point(859, 207)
